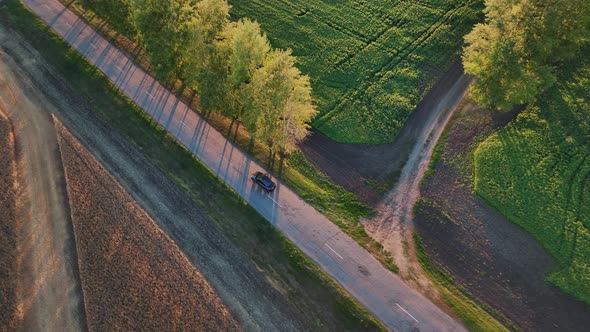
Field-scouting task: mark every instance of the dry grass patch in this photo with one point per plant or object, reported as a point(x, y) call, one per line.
point(133, 276)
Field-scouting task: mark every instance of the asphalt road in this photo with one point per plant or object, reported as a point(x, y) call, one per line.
point(382, 292)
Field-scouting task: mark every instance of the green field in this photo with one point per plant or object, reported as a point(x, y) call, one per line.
point(536, 171)
point(370, 62)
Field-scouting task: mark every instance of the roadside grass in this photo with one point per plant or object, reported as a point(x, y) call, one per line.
point(536, 172)
point(457, 298)
point(317, 297)
point(335, 202)
point(371, 62)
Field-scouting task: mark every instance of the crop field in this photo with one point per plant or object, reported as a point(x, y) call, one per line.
point(7, 228)
point(536, 171)
point(370, 62)
point(133, 276)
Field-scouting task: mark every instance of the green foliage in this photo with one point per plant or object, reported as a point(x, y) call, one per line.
point(164, 30)
point(248, 49)
point(206, 67)
point(117, 12)
point(370, 62)
point(514, 54)
point(536, 171)
point(283, 96)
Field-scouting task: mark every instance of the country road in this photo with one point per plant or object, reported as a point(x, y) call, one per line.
point(383, 293)
point(393, 224)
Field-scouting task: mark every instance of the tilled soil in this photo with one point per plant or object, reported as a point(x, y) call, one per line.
point(133, 276)
point(8, 267)
point(48, 294)
point(495, 260)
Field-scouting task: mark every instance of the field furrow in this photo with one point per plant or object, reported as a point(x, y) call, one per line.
point(133, 276)
point(8, 314)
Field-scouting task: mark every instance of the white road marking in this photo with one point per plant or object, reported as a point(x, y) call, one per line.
point(93, 44)
point(272, 199)
point(409, 314)
point(334, 251)
point(184, 125)
point(119, 67)
point(150, 95)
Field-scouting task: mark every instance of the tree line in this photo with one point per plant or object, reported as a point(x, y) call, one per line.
point(230, 65)
point(516, 53)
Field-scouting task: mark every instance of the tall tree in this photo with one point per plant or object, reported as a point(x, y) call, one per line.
point(247, 48)
point(206, 58)
point(119, 13)
point(284, 97)
point(164, 27)
point(515, 53)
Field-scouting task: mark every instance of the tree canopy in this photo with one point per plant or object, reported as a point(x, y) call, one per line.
point(248, 48)
point(284, 97)
point(517, 50)
point(164, 27)
point(231, 65)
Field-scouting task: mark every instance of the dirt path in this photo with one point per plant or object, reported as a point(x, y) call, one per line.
point(48, 291)
point(393, 225)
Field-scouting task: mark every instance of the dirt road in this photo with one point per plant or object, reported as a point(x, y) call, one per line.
point(48, 292)
point(393, 225)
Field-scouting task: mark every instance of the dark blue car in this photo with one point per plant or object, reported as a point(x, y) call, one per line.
point(264, 181)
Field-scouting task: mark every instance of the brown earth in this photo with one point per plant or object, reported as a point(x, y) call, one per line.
point(7, 226)
point(498, 262)
point(133, 276)
point(48, 295)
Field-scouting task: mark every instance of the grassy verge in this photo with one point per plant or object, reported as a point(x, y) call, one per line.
point(335, 202)
point(324, 304)
point(462, 303)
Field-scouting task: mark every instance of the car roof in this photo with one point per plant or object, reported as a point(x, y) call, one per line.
point(267, 181)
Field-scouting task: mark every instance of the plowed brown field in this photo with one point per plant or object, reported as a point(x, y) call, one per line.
point(133, 276)
point(7, 226)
